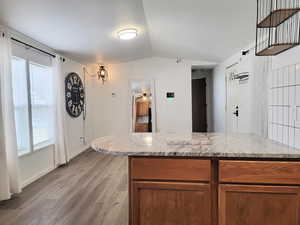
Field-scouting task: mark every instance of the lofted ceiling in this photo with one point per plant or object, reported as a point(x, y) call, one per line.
point(86, 30)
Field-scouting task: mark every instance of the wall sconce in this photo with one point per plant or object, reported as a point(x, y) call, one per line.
point(102, 74)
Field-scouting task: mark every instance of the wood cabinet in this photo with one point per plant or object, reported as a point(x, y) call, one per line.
point(170, 169)
point(195, 191)
point(259, 193)
point(142, 108)
point(141, 127)
point(259, 205)
point(166, 203)
point(263, 172)
point(165, 191)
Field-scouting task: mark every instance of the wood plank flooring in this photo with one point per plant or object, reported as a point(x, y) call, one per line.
point(91, 190)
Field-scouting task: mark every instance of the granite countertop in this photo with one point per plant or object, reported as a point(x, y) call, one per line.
point(193, 145)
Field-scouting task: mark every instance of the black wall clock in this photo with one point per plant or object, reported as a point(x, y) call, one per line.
point(74, 92)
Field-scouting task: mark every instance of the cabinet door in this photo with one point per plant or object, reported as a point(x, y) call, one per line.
point(259, 205)
point(170, 203)
point(142, 108)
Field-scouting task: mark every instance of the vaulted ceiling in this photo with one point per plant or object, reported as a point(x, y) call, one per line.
point(85, 30)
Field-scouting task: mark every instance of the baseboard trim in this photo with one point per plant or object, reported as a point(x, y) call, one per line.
point(78, 152)
point(43, 173)
point(36, 177)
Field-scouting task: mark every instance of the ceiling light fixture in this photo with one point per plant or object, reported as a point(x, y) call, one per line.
point(127, 34)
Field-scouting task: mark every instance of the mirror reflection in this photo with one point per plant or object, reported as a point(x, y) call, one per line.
point(142, 102)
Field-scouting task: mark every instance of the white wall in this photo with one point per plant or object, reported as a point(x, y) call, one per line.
point(282, 105)
point(112, 114)
point(244, 91)
point(36, 165)
point(76, 126)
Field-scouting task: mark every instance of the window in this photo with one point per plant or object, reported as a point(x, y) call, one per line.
point(34, 105)
point(20, 95)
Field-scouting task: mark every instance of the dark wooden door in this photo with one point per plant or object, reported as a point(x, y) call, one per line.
point(199, 105)
point(259, 205)
point(171, 203)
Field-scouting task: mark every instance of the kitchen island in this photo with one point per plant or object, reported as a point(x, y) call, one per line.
point(208, 179)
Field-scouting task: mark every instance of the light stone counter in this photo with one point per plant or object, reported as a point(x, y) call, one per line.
point(194, 145)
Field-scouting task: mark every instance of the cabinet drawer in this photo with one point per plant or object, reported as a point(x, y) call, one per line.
point(170, 169)
point(263, 172)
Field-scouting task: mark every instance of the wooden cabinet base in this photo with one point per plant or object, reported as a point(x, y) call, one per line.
point(259, 205)
point(181, 191)
point(163, 203)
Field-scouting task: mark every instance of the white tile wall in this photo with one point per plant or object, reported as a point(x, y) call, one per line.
point(297, 138)
point(284, 105)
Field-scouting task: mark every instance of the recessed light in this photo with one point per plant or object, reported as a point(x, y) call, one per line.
point(127, 34)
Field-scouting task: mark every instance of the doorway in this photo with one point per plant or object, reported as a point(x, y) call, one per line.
point(199, 105)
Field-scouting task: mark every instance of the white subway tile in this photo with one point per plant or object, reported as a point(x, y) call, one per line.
point(280, 96)
point(275, 132)
point(270, 79)
point(297, 76)
point(275, 78)
point(286, 96)
point(292, 116)
point(297, 96)
point(275, 96)
point(297, 138)
point(281, 73)
point(286, 114)
point(280, 134)
point(270, 97)
point(280, 114)
point(292, 74)
point(286, 73)
point(285, 135)
point(292, 94)
point(291, 136)
point(270, 114)
point(275, 116)
point(270, 131)
point(297, 119)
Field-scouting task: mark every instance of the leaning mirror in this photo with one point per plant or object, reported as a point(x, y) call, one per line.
point(142, 106)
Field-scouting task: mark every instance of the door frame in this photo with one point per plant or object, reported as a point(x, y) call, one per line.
point(207, 96)
point(153, 103)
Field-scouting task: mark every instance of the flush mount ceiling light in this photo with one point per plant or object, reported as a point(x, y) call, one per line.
point(127, 34)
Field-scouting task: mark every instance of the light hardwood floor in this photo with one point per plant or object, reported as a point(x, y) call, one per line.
point(91, 190)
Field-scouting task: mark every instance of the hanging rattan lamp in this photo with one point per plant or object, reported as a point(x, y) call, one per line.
point(277, 27)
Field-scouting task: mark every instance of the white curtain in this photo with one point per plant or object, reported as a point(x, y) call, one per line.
point(9, 162)
point(61, 156)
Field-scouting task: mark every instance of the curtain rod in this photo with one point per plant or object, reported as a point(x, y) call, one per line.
point(38, 49)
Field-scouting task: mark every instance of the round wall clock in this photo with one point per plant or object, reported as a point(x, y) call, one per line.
point(74, 92)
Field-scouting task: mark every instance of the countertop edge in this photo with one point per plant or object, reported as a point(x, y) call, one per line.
point(202, 155)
